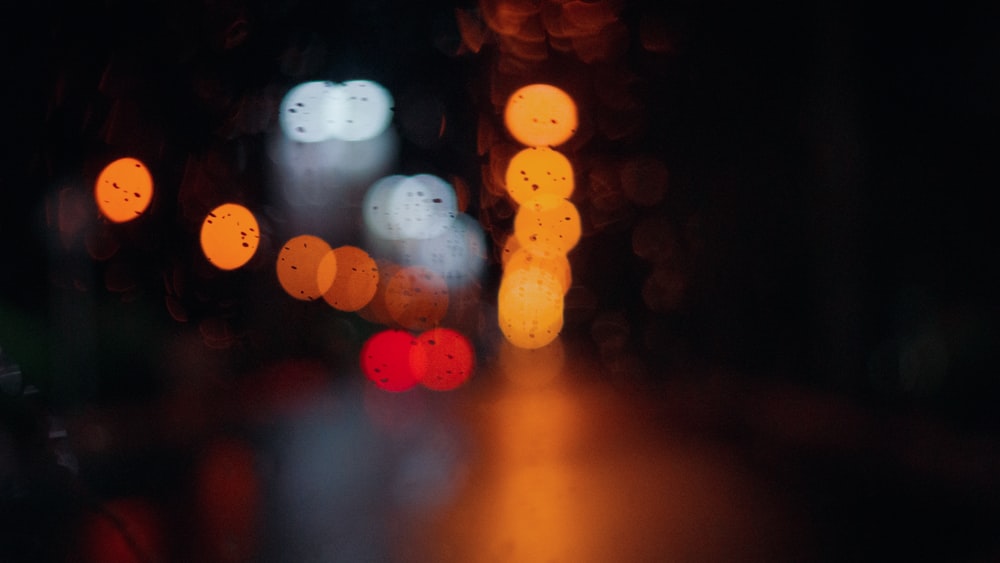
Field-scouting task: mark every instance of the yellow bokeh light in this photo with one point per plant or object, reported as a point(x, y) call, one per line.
point(306, 267)
point(229, 236)
point(541, 115)
point(356, 279)
point(530, 308)
point(417, 298)
point(557, 266)
point(124, 189)
point(547, 225)
point(539, 170)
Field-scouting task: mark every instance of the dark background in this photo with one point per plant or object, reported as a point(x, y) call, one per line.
point(830, 168)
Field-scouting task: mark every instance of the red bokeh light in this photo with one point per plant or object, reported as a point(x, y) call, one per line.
point(388, 359)
point(447, 357)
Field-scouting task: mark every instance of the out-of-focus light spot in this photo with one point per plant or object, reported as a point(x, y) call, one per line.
point(229, 502)
point(539, 170)
point(409, 207)
point(388, 359)
point(379, 217)
point(531, 368)
point(425, 205)
point(229, 236)
point(458, 254)
point(358, 110)
point(356, 279)
point(416, 298)
point(547, 225)
point(556, 266)
point(127, 530)
point(306, 267)
point(448, 357)
point(530, 308)
point(508, 249)
point(123, 190)
point(541, 115)
point(302, 113)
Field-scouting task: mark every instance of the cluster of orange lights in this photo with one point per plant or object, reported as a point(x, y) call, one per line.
point(413, 300)
point(539, 179)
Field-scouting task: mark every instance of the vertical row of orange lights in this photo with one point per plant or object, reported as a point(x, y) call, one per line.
point(539, 180)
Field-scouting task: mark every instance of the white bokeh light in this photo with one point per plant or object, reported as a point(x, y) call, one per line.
point(303, 111)
point(358, 110)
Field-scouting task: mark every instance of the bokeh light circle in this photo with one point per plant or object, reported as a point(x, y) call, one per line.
point(306, 267)
point(303, 111)
point(416, 298)
point(358, 110)
point(229, 236)
point(356, 279)
point(539, 170)
point(548, 225)
point(541, 115)
point(388, 359)
point(448, 359)
point(530, 308)
point(123, 190)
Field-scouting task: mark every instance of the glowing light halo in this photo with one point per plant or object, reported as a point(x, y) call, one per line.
point(539, 170)
point(358, 110)
point(424, 204)
point(556, 266)
point(302, 113)
point(356, 279)
point(400, 207)
point(416, 298)
point(388, 359)
point(530, 308)
point(541, 115)
point(377, 211)
point(547, 225)
point(229, 236)
point(123, 190)
point(306, 267)
point(447, 359)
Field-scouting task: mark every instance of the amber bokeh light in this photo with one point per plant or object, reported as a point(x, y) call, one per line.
point(539, 170)
point(548, 226)
point(541, 115)
point(306, 267)
point(124, 190)
point(416, 298)
point(229, 236)
point(355, 281)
